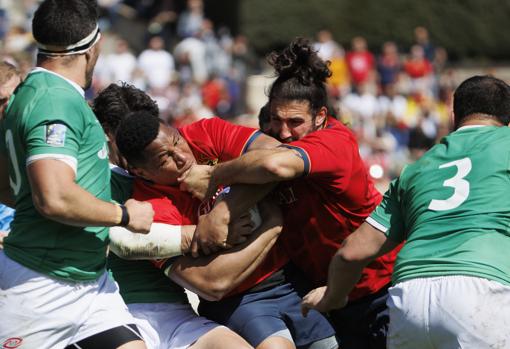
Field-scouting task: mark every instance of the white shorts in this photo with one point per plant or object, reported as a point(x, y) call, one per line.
point(169, 325)
point(38, 311)
point(449, 312)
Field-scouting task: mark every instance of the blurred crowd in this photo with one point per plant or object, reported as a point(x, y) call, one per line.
point(396, 101)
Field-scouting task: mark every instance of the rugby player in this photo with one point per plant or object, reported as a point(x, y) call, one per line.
point(451, 284)
point(325, 191)
point(160, 154)
point(55, 290)
point(160, 306)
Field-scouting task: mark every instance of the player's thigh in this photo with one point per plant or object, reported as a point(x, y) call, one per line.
point(178, 326)
point(254, 316)
point(108, 313)
point(469, 313)
point(41, 311)
point(407, 307)
point(220, 338)
point(305, 331)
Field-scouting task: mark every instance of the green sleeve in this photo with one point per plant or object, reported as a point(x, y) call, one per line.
point(54, 130)
point(388, 216)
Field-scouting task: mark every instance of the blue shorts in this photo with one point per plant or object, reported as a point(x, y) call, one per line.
point(258, 315)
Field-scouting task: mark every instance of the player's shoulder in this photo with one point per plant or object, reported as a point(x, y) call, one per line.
point(333, 134)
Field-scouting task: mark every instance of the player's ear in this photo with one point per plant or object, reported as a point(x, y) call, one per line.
point(321, 116)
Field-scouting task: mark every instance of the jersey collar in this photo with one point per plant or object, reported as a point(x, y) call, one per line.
point(470, 126)
point(74, 84)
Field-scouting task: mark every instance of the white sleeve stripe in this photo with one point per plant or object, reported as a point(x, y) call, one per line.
point(67, 159)
point(376, 224)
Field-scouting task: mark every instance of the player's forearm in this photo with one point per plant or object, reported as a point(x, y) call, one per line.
point(162, 241)
point(358, 249)
point(342, 277)
point(240, 199)
point(258, 167)
point(213, 277)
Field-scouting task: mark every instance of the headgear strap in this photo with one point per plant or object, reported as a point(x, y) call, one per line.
point(81, 46)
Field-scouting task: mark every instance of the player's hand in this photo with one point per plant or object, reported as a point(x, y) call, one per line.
point(197, 181)
point(141, 216)
point(2, 235)
point(210, 235)
point(320, 300)
point(239, 230)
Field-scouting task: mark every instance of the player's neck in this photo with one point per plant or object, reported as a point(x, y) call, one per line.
point(74, 71)
point(479, 120)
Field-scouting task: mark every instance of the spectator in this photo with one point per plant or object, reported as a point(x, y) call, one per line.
point(419, 69)
point(156, 63)
point(422, 39)
point(122, 63)
point(326, 47)
point(388, 64)
point(360, 62)
point(190, 21)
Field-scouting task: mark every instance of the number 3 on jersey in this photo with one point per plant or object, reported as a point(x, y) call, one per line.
point(459, 185)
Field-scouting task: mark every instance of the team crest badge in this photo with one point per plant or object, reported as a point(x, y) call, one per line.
point(56, 135)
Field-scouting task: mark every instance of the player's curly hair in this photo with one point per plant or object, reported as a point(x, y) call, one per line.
point(116, 101)
point(301, 74)
point(134, 134)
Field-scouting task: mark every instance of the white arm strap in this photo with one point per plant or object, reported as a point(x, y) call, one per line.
point(163, 241)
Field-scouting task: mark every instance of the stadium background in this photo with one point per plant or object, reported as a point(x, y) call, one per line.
point(212, 59)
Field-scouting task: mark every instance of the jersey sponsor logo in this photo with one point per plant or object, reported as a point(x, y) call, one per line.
point(12, 343)
point(56, 135)
point(103, 153)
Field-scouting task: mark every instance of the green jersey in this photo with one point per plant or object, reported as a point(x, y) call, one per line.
point(139, 281)
point(48, 118)
point(451, 207)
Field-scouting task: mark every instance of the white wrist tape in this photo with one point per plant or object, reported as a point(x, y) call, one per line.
point(163, 241)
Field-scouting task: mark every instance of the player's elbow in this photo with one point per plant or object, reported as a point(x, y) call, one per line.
point(351, 255)
point(217, 290)
point(50, 206)
point(278, 168)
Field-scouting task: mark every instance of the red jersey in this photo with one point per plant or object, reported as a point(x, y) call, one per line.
point(322, 208)
point(211, 141)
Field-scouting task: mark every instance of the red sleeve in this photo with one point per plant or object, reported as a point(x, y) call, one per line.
point(328, 154)
point(219, 139)
point(167, 208)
